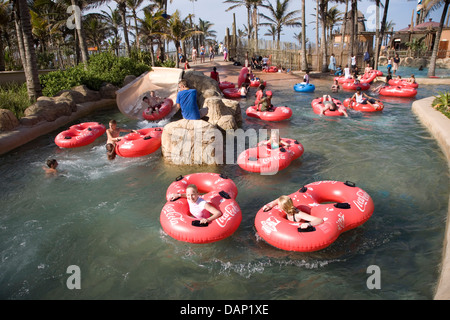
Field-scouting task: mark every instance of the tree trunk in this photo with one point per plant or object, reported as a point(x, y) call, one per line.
point(432, 67)
point(137, 30)
point(323, 10)
point(317, 35)
point(123, 14)
point(352, 32)
point(377, 36)
point(81, 35)
point(344, 30)
point(304, 65)
point(255, 26)
point(383, 27)
point(29, 57)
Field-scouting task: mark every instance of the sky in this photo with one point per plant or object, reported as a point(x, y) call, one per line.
point(400, 12)
point(214, 11)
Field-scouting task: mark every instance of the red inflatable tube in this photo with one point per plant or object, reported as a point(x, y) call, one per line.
point(220, 191)
point(256, 83)
point(142, 143)
point(163, 111)
point(80, 135)
point(242, 76)
point(343, 79)
point(264, 159)
point(226, 84)
point(395, 91)
point(349, 103)
point(271, 69)
point(279, 113)
point(353, 86)
point(368, 77)
point(403, 83)
point(317, 106)
point(231, 93)
point(350, 207)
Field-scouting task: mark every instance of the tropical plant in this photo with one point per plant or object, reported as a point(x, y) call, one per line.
point(442, 103)
point(248, 5)
point(279, 17)
point(417, 47)
point(101, 68)
point(14, 97)
point(26, 46)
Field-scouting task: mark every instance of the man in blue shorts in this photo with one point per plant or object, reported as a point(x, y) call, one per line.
point(187, 100)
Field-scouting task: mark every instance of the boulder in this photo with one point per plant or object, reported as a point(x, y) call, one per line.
point(206, 86)
point(80, 94)
point(108, 91)
point(192, 142)
point(128, 79)
point(50, 109)
point(217, 110)
point(210, 96)
point(8, 120)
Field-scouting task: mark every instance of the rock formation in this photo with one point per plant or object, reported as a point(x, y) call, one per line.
point(197, 141)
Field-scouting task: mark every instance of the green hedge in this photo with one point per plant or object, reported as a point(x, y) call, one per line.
point(102, 68)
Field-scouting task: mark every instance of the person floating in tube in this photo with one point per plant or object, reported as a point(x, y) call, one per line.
point(292, 213)
point(265, 103)
point(198, 207)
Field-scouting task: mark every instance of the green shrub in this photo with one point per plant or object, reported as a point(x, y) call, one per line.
point(442, 103)
point(102, 68)
point(55, 81)
point(14, 97)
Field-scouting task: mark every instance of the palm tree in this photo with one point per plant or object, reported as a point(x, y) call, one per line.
point(26, 47)
point(304, 64)
point(255, 4)
point(280, 17)
point(332, 18)
point(271, 32)
point(248, 5)
point(383, 28)
point(112, 20)
point(95, 28)
point(432, 66)
point(134, 5)
point(151, 28)
point(204, 26)
point(4, 19)
point(323, 9)
point(377, 32)
point(122, 6)
point(178, 30)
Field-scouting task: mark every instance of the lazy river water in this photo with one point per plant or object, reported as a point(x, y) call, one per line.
point(104, 216)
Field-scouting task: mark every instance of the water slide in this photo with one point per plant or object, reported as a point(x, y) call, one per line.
point(164, 81)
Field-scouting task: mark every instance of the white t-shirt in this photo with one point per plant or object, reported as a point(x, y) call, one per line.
point(347, 73)
point(359, 98)
point(198, 210)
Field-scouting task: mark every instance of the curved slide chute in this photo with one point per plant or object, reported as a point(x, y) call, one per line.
point(164, 81)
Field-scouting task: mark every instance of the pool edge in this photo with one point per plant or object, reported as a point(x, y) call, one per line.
point(438, 125)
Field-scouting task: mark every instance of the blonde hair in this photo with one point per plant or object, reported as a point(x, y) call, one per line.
point(192, 186)
point(287, 205)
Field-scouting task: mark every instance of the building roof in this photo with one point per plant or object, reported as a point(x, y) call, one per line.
point(423, 26)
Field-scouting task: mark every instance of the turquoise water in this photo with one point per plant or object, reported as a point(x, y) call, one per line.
point(104, 216)
point(406, 72)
